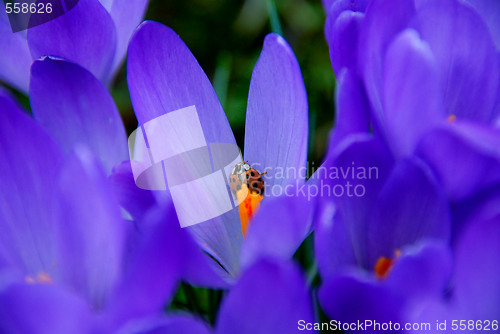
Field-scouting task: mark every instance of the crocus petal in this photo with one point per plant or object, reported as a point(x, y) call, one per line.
point(126, 15)
point(483, 205)
point(270, 297)
point(154, 268)
point(376, 35)
point(84, 35)
point(42, 308)
point(200, 269)
point(412, 100)
point(496, 108)
point(342, 33)
point(464, 156)
point(28, 173)
point(16, 60)
point(178, 324)
point(353, 111)
point(222, 238)
point(351, 300)
point(134, 200)
point(475, 255)
point(465, 54)
point(340, 5)
point(422, 272)
point(162, 254)
point(15, 56)
point(287, 219)
point(77, 109)
point(276, 126)
point(332, 243)
point(341, 173)
point(327, 4)
point(411, 206)
point(419, 276)
point(9, 275)
point(477, 259)
point(444, 313)
point(164, 76)
point(92, 232)
point(490, 12)
point(107, 4)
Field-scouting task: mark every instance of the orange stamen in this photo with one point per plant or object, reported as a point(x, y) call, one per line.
point(451, 118)
point(41, 278)
point(249, 203)
point(384, 265)
point(44, 278)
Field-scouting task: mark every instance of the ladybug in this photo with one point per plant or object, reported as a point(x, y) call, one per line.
point(243, 173)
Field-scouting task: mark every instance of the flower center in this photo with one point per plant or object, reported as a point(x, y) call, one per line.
point(249, 203)
point(41, 278)
point(384, 265)
point(451, 118)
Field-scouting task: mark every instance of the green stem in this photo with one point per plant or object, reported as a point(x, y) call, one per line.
point(221, 77)
point(273, 17)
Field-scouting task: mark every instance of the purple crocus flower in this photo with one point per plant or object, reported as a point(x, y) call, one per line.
point(472, 304)
point(430, 75)
point(270, 297)
point(164, 76)
point(426, 80)
point(76, 109)
point(93, 34)
point(64, 240)
point(382, 248)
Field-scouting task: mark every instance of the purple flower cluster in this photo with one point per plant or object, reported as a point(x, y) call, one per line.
point(418, 97)
point(94, 34)
point(84, 250)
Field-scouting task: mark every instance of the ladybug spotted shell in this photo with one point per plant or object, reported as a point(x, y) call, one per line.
point(252, 178)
